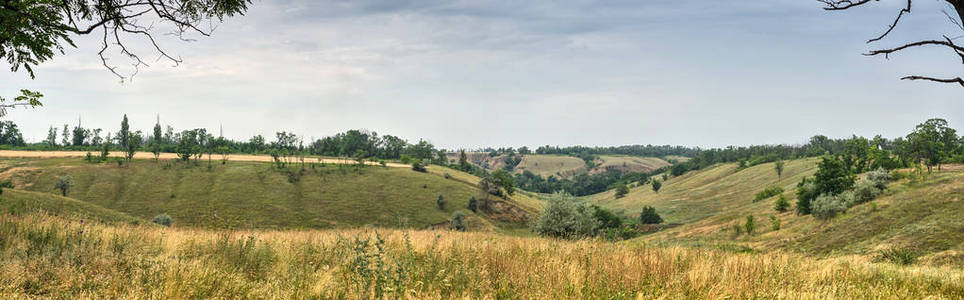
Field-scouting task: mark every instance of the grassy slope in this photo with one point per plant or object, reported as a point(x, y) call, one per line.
point(700, 194)
point(251, 195)
point(17, 201)
point(631, 163)
point(62, 258)
point(924, 216)
point(551, 165)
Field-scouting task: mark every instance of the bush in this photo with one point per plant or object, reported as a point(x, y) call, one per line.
point(565, 217)
point(440, 202)
point(621, 190)
point(806, 193)
point(418, 166)
point(898, 256)
point(774, 223)
point(606, 218)
point(7, 184)
point(781, 204)
point(828, 206)
point(866, 190)
point(163, 219)
point(657, 185)
point(649, 216)
point(458, 221)
point(447, 176)
point(767, 193)
point(750, 226)
point(63, 184)
point(473, 204)
point(879, 178)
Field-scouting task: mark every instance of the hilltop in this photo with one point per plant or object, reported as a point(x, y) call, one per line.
point(257, 195)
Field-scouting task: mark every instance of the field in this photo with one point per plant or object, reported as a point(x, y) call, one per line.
point(631, 163)
point(66, 258)
point(559, 166)
point(921, 216)
point(255, 195)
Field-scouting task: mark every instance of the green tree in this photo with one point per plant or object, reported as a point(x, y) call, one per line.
point(133, 143)
point(65, 137)
point(566, 217)
point(656, 185)
point(63, 183)
point(504, 180)
point(51, 139)
point(473, 204)
point(929, 142)
point(778, 166)
point(464, 161)
point(440, 202)
point(649, 216)
point(621, 190)
point(781, 204)
point(124, 134)
point(458, 221)
point(606, 218)
point(774, 223)
point(831, 179)
point(750, 226)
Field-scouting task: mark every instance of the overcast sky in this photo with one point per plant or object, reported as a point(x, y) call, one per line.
point(514, 73)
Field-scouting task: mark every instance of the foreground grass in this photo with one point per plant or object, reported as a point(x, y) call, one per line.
point(49, 256)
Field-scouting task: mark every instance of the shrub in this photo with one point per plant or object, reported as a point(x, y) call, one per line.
point(565, 217)
point(827, 206)
point(657, 185)
point(898, 256)
point(473, 204)
point(781, 204)
point(621, 190)
point(750, 226)
point(6, 184)
point(774, 223)
point(440, 202)
point(64, 183)
point(866, 190)
point(418, 166)
point(447, 176)
point(767, 193)
point(806, 193)
point(606, 218)
point(879, 178)
point(649, 216)
point(163, 219)
point(458, 221)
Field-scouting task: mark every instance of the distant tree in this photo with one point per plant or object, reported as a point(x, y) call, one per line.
point(774, 223)
point(778, 166)
point(473, 204)
point(63, 183)
point(96, 140)
point(621, 190)
point(157, 138)
point(65, 134)
point(133, 143)
point(10, 134)
point(105, 148)
point(440, 202)
point(665, 177)
point(928, 142)
point(418, 166)
point(781, 204)
point(463, 161)
point(856, 155)
point(51, 139)
point(124, 134)
point(649, 216)
point(504, 180)
point(656, 185)
point(224, 151)
point(458, 221)
point(79, 137)
point(750, 226)
point(831, 179)
point(524, 150)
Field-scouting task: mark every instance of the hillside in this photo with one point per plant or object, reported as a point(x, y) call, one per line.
point(254, 195)
point(63, 258)
point(922, 217)
point(564, 166)
point(18, 202)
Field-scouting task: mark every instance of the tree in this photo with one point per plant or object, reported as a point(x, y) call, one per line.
point(63, 183)
point(124, 134)
point(566, 217)
point(51, 139)
point(932, 141)
point(656, 185)
point(417, 166)
point(133, 143)
point(65, 137)
point(34, 31)
point(621, 190)
point(473, 204)
point(750, 226)
point(440, 202)
point(458, 221)
point(80, 135)
point(463, 161)
point(778, 166)
point(781, 204)
point(606, 218)
point(946, 42)
point(649, 216)
point(504, 180)
point(831, 179)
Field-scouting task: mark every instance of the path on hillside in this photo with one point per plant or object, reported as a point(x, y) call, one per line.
point(169, 156)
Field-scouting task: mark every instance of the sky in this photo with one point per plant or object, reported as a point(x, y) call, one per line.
point(470, 74)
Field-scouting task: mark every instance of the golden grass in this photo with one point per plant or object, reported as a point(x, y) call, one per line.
point(55, 257)
point(551, 165)
point(632, 163)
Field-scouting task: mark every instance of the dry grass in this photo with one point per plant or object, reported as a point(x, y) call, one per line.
point(559, 166)
point(54, 257)
point(631, 163)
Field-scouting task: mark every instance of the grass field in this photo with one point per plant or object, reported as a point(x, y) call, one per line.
point(45, 256)
point(631, 163)
point(253, 195)
point(559, 166)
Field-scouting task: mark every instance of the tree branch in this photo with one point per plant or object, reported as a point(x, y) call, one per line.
point(892, 26)
point(957, 80)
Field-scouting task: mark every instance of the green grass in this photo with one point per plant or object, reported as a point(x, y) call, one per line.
point(253, 195)
point(20, 202)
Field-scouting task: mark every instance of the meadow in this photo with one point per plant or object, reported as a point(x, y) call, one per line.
point(47, 256)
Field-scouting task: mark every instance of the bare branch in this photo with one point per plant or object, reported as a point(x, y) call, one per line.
point(957, 80)
point(892, 26)
point(842, 4)
point(947, 43)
